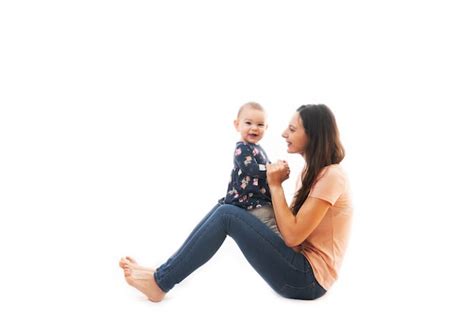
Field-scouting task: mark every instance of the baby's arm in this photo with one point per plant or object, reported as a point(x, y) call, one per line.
point(246, 161)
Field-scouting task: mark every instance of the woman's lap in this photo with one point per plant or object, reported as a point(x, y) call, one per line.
point(285, 270)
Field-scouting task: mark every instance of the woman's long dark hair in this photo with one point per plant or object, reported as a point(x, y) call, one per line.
point(323, 148)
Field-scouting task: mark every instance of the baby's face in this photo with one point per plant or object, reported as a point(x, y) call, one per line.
point(251, 124)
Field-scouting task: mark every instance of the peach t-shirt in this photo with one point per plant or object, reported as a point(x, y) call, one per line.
point(325, 246)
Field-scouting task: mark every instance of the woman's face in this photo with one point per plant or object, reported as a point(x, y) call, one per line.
point(295, 135)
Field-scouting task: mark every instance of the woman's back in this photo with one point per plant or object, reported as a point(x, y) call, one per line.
point(326, 245)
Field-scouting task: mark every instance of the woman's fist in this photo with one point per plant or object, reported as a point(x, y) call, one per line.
point(277, 172)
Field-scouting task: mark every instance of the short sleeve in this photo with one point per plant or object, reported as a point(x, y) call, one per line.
point(330, 185)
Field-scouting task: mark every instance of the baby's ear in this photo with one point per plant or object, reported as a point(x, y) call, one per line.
point(236, 124)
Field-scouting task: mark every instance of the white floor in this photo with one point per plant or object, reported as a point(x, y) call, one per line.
point(88, 280)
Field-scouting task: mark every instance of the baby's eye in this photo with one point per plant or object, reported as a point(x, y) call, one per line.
point(248, 123)
point(261, 125)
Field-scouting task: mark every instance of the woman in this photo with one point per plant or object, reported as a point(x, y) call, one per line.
point(304, 263)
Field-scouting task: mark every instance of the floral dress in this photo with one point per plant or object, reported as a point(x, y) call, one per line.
point(248, 187)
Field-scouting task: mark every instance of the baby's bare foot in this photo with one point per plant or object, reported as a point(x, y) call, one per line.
point(142, 279)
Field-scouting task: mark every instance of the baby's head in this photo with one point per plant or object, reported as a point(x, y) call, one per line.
point(251, 122)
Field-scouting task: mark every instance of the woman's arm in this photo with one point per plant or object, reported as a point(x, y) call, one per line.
point(294, 229)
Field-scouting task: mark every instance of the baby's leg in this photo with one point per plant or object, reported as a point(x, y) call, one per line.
point(266, 214)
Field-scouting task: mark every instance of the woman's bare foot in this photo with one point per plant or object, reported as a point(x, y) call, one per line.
point(130, 262)
point(142, 279)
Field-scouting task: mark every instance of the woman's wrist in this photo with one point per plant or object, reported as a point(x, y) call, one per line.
point(275, 187)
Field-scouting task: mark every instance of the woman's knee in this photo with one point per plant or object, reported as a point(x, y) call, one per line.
point(229, 210)
point(230, 215)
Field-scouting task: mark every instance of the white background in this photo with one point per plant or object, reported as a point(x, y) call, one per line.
point(116, 137)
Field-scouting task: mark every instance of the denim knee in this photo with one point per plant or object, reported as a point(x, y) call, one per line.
point(228, 214)
point(229, 209)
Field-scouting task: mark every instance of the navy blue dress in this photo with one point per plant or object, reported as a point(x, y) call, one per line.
point(248, 187)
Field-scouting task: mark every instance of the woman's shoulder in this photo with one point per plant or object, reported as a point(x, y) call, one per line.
point(333, 170)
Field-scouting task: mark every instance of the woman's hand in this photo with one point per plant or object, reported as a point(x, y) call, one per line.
point(277, 173)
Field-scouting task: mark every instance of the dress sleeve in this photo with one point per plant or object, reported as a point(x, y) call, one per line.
point(244, 158)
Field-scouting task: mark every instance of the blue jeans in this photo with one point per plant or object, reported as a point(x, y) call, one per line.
point(286, 271)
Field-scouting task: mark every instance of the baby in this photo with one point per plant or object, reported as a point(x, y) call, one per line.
point(248, 187)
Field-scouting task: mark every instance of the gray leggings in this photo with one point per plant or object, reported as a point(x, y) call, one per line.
point(266, 214)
